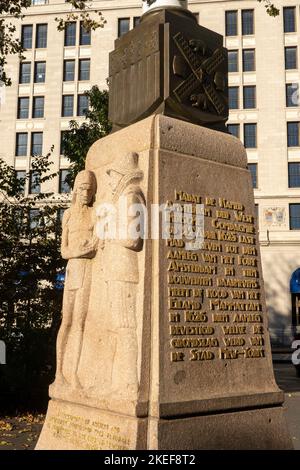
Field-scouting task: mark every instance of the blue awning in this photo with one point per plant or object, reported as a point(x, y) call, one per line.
point(295, 282)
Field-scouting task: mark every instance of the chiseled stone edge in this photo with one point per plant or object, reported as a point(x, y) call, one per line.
point(219, 147)
point(221, 404)
point(167, 134)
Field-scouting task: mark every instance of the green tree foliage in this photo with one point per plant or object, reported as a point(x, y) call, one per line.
point(30, 294)
point(271, 9)
point(78, 140)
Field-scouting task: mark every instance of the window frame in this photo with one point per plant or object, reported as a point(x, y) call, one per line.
point(34, 187)
point(295, 87)
point(19, 111)
point(24, 26)
point(244, 52)
point(237, 126)
point(63, 106)
point(63, 182)
point(65, 72)
point(253, 98)
point(231, 88)
point(42, 37)
point(68, 24)
point(292, 176)
point(21, 82)
point(254, 174)
point(80, 109)
point(83, 33)
point(290, 215)
point(285, 22)
point(233, 51)
point(80, 71)
point(36, 64)
point(295, 48)
point(244, 11)
point(249, 136)
point(18, 146)
point(19, 178)
point(127, 18)
point(227, 26)
point(291, 134)
point(36, 99)
point(32, 144)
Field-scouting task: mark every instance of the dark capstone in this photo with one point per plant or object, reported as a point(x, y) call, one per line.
point(169, 65)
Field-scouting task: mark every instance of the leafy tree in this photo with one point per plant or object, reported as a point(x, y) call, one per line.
point(78, 140)
point(271, 9)
point(14, 9)
point(30, 291)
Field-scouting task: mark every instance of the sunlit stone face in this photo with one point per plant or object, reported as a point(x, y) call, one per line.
point(151, 4)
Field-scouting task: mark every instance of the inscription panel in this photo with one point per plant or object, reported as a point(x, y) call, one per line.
point(83, 432)
point(214, 300)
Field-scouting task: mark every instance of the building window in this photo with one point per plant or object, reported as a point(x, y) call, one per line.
point(233, 93)
point(37, 143)
point(231, 23)
point(233, 61)
point(38, 107)
point(234, 129)
point(39, 72)
point(68, 106)
point(293, 134)
point(82, 105)
point(290, 55)
point(21, 144)
point(25, 72)
point(23, 108)
point(136, 21)
point(26, 39)
point(34, 183)
point(84, 69)
point(248, 60)
point(69, 70)
point(250, 136)
point(123, 26)
point(253, 170)
point(289, 19)
point(294, 216)
point(21, 177)
point(64, 187)
point(41, 36)
point(249, 93)
point(85, 35)
point(70, 33)
point(63, 136)
point(292, 96)
point(34, 218)
point(247, 22)
point(294, 175)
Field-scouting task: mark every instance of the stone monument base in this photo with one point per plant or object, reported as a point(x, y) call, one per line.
point(70, 426)
point(77, 427)
point(203, 356)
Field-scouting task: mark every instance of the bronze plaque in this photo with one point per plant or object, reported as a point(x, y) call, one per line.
point(170, 65)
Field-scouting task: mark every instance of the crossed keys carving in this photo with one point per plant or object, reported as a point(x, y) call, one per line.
point(204, 73)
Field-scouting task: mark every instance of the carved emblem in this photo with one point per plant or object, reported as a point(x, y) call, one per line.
point(205, 80)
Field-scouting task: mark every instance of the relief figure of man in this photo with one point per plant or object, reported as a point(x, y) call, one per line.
point(79, 246)
point(121, 273)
